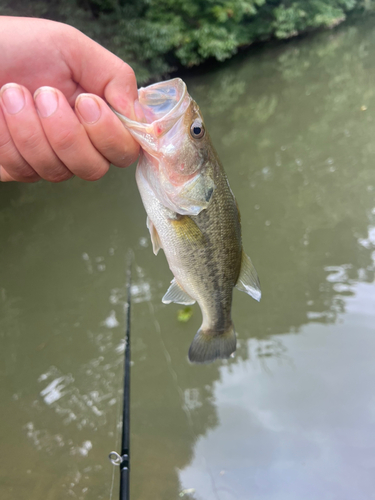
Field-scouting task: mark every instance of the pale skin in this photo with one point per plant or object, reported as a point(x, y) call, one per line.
point(55, 122)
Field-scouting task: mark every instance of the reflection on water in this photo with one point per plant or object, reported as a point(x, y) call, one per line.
point(303, 423)
point(293, 413)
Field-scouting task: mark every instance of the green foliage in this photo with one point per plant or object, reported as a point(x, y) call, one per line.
point(158, 36)
point(301, 16)
point(183, 315)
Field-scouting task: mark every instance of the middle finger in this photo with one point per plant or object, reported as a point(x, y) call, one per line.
point(67, 135)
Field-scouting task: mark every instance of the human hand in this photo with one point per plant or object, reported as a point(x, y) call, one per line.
point(41, 135)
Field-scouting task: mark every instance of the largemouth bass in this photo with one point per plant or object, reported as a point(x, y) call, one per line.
point(191, 213)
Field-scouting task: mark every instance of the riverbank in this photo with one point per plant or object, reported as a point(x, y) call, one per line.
point(161, 37)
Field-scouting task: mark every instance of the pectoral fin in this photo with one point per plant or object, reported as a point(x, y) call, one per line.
point(248, 280)
point(176, 294)
point(188, 230)
point(156, 243)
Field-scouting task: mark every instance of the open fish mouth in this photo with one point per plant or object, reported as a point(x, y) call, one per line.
point(157, 109)
point(157, 101)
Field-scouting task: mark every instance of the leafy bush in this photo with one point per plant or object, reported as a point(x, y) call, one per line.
point(157, 36)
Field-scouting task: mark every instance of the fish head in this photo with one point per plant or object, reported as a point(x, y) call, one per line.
point(172, 134)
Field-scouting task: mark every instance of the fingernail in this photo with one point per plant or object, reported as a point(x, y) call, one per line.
point(46, 100)
point(88, 108)
point(13, 98)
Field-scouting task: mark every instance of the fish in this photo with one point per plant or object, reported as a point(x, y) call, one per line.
point(192, 213)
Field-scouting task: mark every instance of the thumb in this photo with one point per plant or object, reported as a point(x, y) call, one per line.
point(100, 72)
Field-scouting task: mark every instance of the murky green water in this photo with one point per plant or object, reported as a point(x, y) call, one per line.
point(293, 415)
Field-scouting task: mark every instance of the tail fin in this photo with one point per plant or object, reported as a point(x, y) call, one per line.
point(210, 345)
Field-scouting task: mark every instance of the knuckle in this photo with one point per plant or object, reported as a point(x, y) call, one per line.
point(64, 139)
point(126, 159)
point(30, 139)
point(31, 179)
point(6, 144)
point(21, 171)
point(26, 173)
point(97, 172)
point(11, 160)
point(132, 157)
point(117, 147)
point(109, 144)
point(131, 153)
point(56, 175)
point(61, 178)
point(125, 69)
point(130, 72)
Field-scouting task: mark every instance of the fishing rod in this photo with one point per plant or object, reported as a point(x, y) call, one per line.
point(123, 460)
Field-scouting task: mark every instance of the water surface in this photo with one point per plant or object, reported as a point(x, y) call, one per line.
point(293, 414)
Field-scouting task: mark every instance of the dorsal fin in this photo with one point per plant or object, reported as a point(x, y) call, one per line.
point(248, 280)
point(176, 294)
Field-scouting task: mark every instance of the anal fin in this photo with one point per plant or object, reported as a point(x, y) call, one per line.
point(248, 280)
point(177, 295)
point(156, 243)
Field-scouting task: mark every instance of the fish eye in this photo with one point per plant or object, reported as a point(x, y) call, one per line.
point(197, 130)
